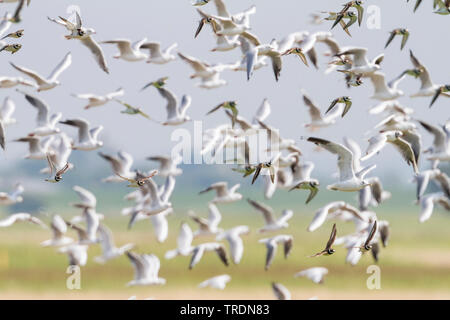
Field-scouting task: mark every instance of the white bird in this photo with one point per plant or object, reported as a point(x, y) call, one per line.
point(60, 151)
point(428, 88)
point(21, 217)
point(427, 203)
point(76, 253)
point(168, 165)
point(50, 82)
point(315, 274)
point(270, 50)
point(223, 194)
point(160, 225)
point(96, 100)
point(424, 177)
point(317, 119)
point(373, 195)
point(280, 291)
point(6, 22)
point(208, 226)
point(212, 82)
point(77, 31)
point(396, 122)
point(199, 250)
point(300, 172)
point(391, 108)
point(9, 82)
point(6, 112)
point(361, 65)
point(217, 282)
point(128, 51)
point(154, 202)
point(87, 138)
point(241, 65)
point(59, 228)
point(15, 196)
point(87, 198)
point(87, 236)
point(46, 124)
point(120, 165)
point(233, 236)
point(184, 243)
point(405, 148)
point(270, 223)
point(349, 180)
point(225, 43)
point(210, 74)
point(157, 55)
point(109, 249)
point(176, 112)
point(440, 151)
point(271, 246)
point(323, 213)
point(38, 147)
point(383, 91)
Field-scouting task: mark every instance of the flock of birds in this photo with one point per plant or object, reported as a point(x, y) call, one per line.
point(285, 168)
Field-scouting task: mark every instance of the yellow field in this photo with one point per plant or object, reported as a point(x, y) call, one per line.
point(415, 265)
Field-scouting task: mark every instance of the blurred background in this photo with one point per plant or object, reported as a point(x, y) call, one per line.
point(416, 263)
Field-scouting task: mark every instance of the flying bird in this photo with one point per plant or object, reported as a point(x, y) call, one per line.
point(328, 248)
point(50, 82)
point(398, 32)
point(271, 246)
point(349, 180)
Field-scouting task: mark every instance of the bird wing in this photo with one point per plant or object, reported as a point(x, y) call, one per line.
point(314, 112)
point(332, 238)
point(97, 51)
point(124, 46)
point(41, 106)
point(214, 216)
point(7, 109)
point(221, 9)
point(379, 82)
point(32, 74)
point(406, 151)
point(271, 250)
point(196, 64)
point(345, 157)
point(266, 211)
point(138, 264)
point(63, 65)
point(184, 105)
point(83, 128)
point(280, 291)
point(440, 137)
point(172, 103)
point(424, 76)
point(154, 48)
point(185, 238)
point(106, 238)
point(372, 232)
point(376, 143)
point(116, 164)
point(263, 112)
point(86, 197)
point(359, 56)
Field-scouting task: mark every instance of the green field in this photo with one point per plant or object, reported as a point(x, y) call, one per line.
point(415, 265)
